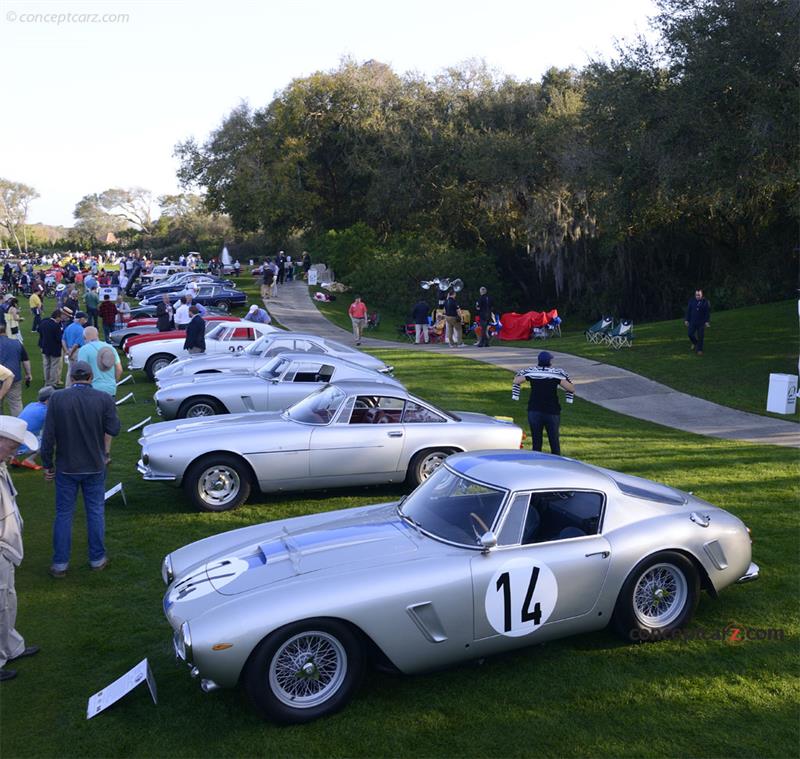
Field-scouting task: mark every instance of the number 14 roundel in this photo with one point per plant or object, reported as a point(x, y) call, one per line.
point(520, 597)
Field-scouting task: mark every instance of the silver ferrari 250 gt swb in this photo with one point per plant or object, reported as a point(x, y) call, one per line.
point(348, 433)
point(494, 551)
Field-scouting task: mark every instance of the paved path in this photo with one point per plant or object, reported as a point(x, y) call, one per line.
point(607, 386)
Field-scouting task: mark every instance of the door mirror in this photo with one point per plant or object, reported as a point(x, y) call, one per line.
point(488, 541)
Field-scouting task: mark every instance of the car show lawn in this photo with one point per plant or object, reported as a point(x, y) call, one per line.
point(590, 695)
point(743, 346)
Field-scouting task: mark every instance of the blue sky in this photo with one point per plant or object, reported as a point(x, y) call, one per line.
point(92, 104)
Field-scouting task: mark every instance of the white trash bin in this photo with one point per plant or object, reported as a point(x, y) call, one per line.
point(782, 395)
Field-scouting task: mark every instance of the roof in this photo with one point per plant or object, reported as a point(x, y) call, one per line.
point(521, 470)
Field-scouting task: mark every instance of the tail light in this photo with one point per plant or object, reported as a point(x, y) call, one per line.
point(522, 441)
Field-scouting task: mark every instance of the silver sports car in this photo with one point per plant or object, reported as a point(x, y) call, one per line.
point(279, 383)
point(495, 551)
point(250, 359)
point(348, 433)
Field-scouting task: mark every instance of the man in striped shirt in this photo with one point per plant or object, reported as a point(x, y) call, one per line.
point(544, 411)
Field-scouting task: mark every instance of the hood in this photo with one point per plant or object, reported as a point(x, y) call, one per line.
point(211, 425)
point(198, 381)
point(370, 539)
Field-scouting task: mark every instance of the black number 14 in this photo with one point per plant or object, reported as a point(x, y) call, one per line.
point(526, 615)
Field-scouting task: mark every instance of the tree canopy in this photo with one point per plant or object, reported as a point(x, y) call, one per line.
point(618, 187)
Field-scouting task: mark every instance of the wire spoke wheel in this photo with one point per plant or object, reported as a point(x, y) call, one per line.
point(660, 595)
point(308, 669)
point(201, 408)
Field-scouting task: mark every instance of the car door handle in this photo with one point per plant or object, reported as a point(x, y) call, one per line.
point(601, 554)
point(395, 433)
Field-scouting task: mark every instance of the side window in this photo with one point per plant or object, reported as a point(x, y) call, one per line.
point(242, 333)
point(510, 531)
point(325, 373)
point(562, 514)
point(306, 372)
point(371, 409)
point(417, 414)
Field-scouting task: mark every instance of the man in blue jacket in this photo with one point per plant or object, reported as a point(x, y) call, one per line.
point(195, 333)
point(698, 317)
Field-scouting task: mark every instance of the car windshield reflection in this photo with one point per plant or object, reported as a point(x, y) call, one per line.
point(258, 347)
point(317, 408)
point(453, 508)
point(274, 368)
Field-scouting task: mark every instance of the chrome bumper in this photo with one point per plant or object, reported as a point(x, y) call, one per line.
point(151, 476)
point(750, 575)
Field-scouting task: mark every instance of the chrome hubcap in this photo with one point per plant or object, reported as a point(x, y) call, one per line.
point(430, 464)
point(307, 669)
point(660, 595)
point(219, 485)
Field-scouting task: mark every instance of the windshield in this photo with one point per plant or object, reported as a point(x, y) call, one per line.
point(453, 508)
point(216, 332)
point(258, 347)
point(319, 407)
point(273, 368)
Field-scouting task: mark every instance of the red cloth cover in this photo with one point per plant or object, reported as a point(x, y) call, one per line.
point(519, 326)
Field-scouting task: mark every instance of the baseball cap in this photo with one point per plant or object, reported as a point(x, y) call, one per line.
point(545, 358)
point(253, 309)
point(80, 370)
point(81, 315)
point(45, 393)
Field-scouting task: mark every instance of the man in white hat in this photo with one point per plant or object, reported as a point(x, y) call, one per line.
point(13, 433)
point(258, 315)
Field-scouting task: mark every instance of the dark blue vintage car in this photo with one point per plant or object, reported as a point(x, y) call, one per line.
point(220, 296)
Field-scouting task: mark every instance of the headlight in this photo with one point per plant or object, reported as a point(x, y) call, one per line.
point(183, 643)
point(166, 570)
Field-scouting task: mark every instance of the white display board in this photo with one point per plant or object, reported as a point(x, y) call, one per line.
point(121, 687)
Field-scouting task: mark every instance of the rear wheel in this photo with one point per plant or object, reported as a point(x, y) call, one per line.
point(218, 482)
point(424, 464)
point(200, 406)
point(304, 671)
point(157, 363)
point(658, 597)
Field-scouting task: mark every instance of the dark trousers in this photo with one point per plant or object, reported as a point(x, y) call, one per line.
point(696, 334)
point(92, 320)
point(484, 341)
point(37, 319)
point(540, 422)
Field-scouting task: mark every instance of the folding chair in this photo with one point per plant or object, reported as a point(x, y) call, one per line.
point(599, 331)
point(373, 320)
point(621, 336)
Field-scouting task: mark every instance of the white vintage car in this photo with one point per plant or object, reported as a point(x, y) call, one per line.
point(227, 338)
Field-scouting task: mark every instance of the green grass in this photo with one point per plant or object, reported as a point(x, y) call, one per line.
point(743, 347)
point(589, 695)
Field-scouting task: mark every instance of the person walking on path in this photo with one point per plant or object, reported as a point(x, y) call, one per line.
point(108, 315)
point(452, 317)
point(13, 432)
point(358, 317)
point(78, 428)
point(544, 410)
point(195, 333)
point(419, 315)
point(14, 357)
point(50, 343)
point(698, 317)
point(484, 308)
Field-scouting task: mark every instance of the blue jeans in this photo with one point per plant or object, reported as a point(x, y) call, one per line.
point(93, 486)
point(540, 422)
